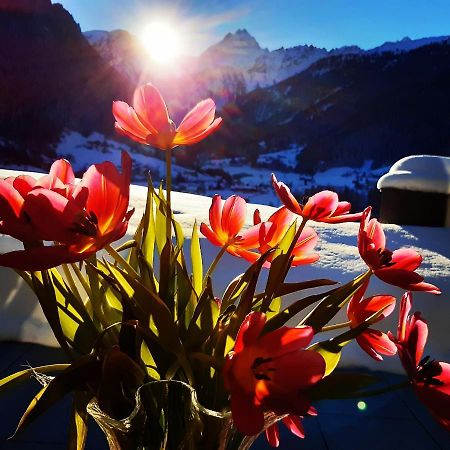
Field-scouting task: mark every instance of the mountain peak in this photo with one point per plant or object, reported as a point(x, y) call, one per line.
point(240, 38)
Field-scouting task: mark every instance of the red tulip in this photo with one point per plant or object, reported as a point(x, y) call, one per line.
point(270, 372)
point(321, 207)
point(397, 267)
point(148, 122)
point(372, 341)
point(430, 379)
point(272, 232)
point(226, 221)
point(81, 220)
point(13, 192)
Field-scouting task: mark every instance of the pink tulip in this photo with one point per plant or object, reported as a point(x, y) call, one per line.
point(372, 341)
point(148, 121)
point(270, 372)
point(14, 191)
point(226, 222)
point(321, 207)
point(430, 379)
point(81, 219)
point(397, 267)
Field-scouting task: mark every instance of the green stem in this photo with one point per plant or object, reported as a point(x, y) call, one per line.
point(214, 263)
point(385, 390)
point(335, 326)
point(168, 194)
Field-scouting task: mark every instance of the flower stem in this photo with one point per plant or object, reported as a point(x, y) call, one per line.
point(214, 264)
point(168, 194)
point(385, 390)
point(335, 326)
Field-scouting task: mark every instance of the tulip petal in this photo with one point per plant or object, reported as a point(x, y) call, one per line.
point(128, 121)
point(233, 215)
point(273, 435)
point(295, 426)
point(10, 201)
point(210, 235)
point(62, 170)
point(286, 339)
point(23, 184)
point(180, 140)
point(151, 108)
point(371, 305)
point(284, 194)
point(247, 417)
point(374, 342)
point(250, 330)
point(197, 119)
point(321, 205)
point(40, 258)
point(406, 258)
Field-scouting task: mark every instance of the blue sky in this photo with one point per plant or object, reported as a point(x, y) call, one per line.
point(275, 23)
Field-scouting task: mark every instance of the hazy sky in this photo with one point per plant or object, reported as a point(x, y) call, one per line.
point(274, 23)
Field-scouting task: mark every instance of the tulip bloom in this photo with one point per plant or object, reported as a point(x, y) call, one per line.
point(321, 207)
point(397, 267)
point(430, 379)
point(13, 192)
point(272, 232)
point(148, 122)
point(81, 220)
point(372, 341)
point(270, 372)
point(226, 221)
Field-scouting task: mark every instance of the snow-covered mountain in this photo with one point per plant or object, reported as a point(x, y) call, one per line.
point(228, 69)
point(407, 44)
point(234, 66)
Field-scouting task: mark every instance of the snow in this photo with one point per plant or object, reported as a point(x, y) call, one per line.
point(21, 318)
point(425, 173)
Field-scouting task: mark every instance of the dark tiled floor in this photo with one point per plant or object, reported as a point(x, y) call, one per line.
point(392, 421)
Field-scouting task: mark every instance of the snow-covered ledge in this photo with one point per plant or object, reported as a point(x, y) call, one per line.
point(21, 317)
point(416, 190)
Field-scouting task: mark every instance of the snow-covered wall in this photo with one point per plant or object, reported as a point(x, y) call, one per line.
point(424, 173)
point(22, 319)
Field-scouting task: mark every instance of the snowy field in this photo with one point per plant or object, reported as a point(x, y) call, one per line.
point(21, 318)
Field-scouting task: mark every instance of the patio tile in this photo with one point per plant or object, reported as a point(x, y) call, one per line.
point(375, 433)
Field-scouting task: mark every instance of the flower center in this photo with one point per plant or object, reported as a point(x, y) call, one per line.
point(385, 257)
point(260, 368)
point(85, 223)
point(428, 371)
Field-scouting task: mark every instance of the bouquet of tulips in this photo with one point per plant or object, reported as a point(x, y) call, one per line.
point(157, 357)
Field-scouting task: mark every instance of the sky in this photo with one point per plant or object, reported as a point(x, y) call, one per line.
point(274, 23)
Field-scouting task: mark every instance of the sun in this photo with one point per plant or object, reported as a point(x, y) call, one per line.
point(162, 41)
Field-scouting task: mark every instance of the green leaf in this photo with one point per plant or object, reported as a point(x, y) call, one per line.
point(331, 352)
point(78, 427)
point(292, 310)
point(333, 303)
point(197, 262)
point(147, 305)
point(45, 292)
point(342, 385)
point(74, 377)
point(24, 375)
point(290, 288)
